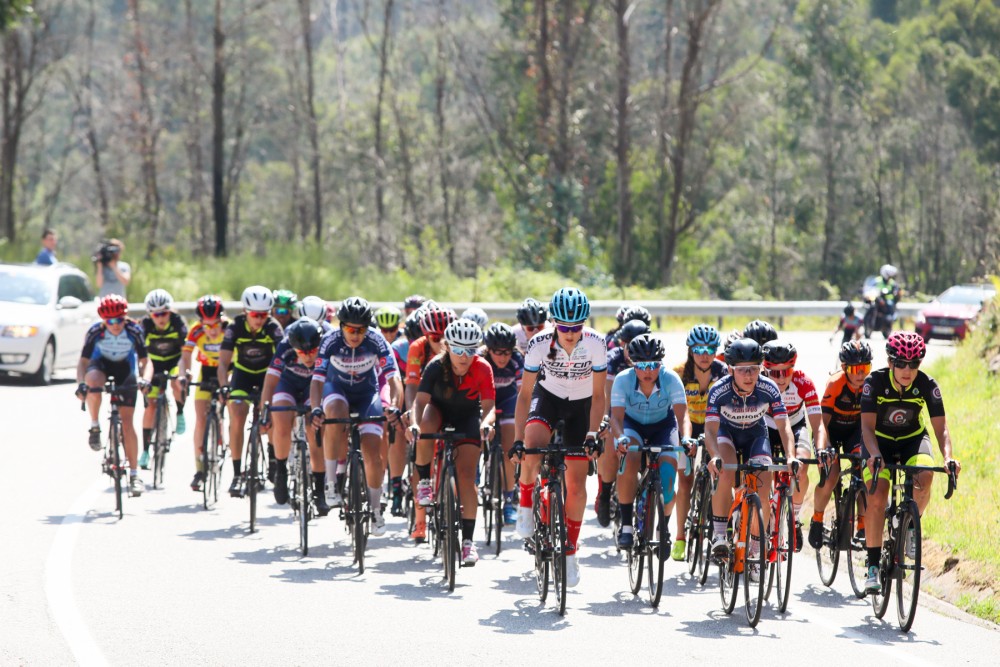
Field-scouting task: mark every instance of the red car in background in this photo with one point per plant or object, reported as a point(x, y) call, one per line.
point(953, 311)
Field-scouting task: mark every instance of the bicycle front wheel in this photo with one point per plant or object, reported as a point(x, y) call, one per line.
point(828, 554)
point(908, 552)
point(704, 533)
point(657, 544)
point(117, 470)
point(357, 495)
point(302, 492)
point(785, 550)
point(209, 488)
point(161, 434)
point(499, 489)
point(452, 544)
point(729, 578)
point(692, 538)
point(557, 532)
point(857, 554)
point(886, 572)
point(756, 561)
point(541, 543)
point(250, 475)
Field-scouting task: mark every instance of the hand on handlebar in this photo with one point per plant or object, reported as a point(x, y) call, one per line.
point(690, 446)
point(413, 431)
point(317, 417)
point(487, 431)
point(621, 443)
point(949, 462)
point(715, 467)
point(517, 451)
point(81, 391)
point(593, 446)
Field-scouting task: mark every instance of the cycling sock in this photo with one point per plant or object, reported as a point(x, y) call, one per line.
point(873, 555)
point(667, 474)
point(796, 508)
point(572, 535)
point(180, 407)
point(342, 467)
point(508, 497)
point(147, 437)
point(339, 483)
point(423, 471)
point(626, 510)
point(861, 523)
point(282, 463)
point(319, 480)
point(270, 452)
point(754, 545)
point(95, 424)
point(331, 468)
point(719, 524)
point(397, 487)
point(605, 491)
point(375, 496)
point(526, 490)
point(133, 472)
point(468, 529)
point(237, 465)
point(818, 517)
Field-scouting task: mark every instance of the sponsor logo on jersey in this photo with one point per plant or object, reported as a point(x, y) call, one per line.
point(897, 417)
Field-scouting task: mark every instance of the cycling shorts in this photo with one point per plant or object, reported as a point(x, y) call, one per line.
point(548, 410)
point(208, 382)
point(661, 433)
point(466, 424)
point(847, 441)
point(244, 383)
point(121, 373)
point(365, 403)
point(800, 437)
point(915, 451)
point(748, 442)
point(505, 410)
point(160, 367)
point(289, 392)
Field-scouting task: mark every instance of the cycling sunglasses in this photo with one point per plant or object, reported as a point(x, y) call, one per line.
point(502, 353)
point(160, 313)
point(282, 311)
point(533, 328)
point(569, 328)
point(259, 314)
point(647, 365)
point(306, 353)
point(464, 351)
point(858, 368)
point(746, 370)
point(211, 324)
point(903, 363)
point(112, 321)
point(703, 349)
point(351, 329)
point(779, 372)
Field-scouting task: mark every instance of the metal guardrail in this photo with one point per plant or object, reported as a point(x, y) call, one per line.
point(708, 311)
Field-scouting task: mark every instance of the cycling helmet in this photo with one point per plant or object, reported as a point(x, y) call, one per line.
point(113, 305)
point(569, 305)
point(313, 307)
point(733, 336)
point(387, 317)
point(907, 345)
point(500, 336)
point(355, 310)
point(412, 327)
point(631, 329)
point(257, 297)
point(531, 313)
point(760, 331)
point(856, 352)
point(645, 347)
point(637, 313)
point(849, 309)
point(477, 315)
point(304, 334)
point(209, 307)
point(703, 334)
point(284, 298)
point(888, 272)
point(744, 350)
point(620, 315)
point(436, 319)
point(413, 302)
point(157, 300)
point(463, 333)
point(777, 352)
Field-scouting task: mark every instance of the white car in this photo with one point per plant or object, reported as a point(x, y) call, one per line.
point(44, 314)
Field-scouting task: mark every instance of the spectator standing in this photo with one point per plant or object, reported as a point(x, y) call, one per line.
point(47, 255)
point(113, 274)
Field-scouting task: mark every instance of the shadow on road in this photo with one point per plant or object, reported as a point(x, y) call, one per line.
point(717, 625)
point(237, 531)
point(825, 597)
point(879, 632)
point(528, 617)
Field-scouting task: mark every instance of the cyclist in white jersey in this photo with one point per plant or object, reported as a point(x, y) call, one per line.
point(564, 374)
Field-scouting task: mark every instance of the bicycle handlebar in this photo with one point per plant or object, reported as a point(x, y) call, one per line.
point(951, 470)
point(354, 419)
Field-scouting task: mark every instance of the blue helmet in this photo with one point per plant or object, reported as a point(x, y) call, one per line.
point(569, 305)
point(703, 334)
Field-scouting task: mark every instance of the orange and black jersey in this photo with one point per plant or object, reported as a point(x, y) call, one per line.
point(842, 403)
point(458, 398)
point(898, 410)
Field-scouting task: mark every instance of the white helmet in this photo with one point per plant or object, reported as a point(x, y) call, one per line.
point(257, 297)
point(477, 315)
point(157, 300)
point(463, 333)
point(888, 271)
point(313, 307)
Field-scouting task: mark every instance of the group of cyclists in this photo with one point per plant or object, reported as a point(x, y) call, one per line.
point(423, 367)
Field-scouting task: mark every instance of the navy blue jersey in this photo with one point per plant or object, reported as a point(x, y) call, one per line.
point(507, 380)
point(128, 346)
point(731, 409)
point(355, 368)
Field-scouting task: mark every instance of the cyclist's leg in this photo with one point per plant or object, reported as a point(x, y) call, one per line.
point(876, 504)
point(803, 450)
point(467, 454)
point(334, 435)
point(201, 407)
point(242, 384)
point(759, 451)
point(722, 499)
point(542, 417)
point(95, 379)
point(918, 453)
point(371, 445)
point(126, 410)
point(576, 419)
point(281, 432)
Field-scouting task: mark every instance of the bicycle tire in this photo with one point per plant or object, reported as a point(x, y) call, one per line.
point(657, 545)
point(907, 568)
point(557, 532)
point(452, 521)
point(729, 578)
point(753, 591)
point(704, 534)
point(542, 548)
point(786, 551)
point(115, 444)
point(357, 495)
point(692, 540)
point(880, 600)
point(828, 554)
point(208, 450)
point(498, 499)
point(250, 473)
point(303, 474)
point(160, 434)
point(857, 553)
point(486, 497)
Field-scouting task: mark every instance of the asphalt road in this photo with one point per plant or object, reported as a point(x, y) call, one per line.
point(172, 583)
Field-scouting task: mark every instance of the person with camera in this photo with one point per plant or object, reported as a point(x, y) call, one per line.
point(113, 274)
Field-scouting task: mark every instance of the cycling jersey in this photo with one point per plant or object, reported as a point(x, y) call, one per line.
point(401, 348)
point(355, 369)
point(200, 338)
point(164, 345)
point(125, 348)
point(800, 399)
point(293, 376)
point(850, 323)
point(697, 398)
point(253, 350)
point(522, 336)
point(458, 398)
point(418, 354)
point(842, 403)
point(568, 376)
point(739, 412)
point(617, 361)
point(659, 406)
point(507, 380)
point(898, 411)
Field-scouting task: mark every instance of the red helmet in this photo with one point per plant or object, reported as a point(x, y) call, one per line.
point(436, 319)
point(112, 305)
point(906, 345)
point(209, 307)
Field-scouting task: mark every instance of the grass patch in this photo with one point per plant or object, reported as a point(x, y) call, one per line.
point(988, 608)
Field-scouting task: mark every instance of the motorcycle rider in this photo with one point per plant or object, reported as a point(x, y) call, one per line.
point(881, 312)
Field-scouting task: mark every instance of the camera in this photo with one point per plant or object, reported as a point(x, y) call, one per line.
point(105, 253)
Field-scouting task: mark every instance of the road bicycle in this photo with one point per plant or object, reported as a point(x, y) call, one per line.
point(840, 524)
point(781, 537)
point(214, 444)
point(492, 490)
point(163, 428)
point(901, 545)
point(300, 497)
point(698, 523)
point(254, 471)
point(111, 461)
point(444, 514)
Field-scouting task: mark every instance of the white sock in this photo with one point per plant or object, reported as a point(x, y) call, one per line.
point(341, 467)
point(95, 424)
point(796, 507)
point(375, 497)
point(331, 469)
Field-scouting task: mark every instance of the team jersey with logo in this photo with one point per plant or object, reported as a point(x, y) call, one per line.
point(459, 396)
point(697, 398)
point(128, 346)
point(208, 345)
point(165, 345)
point(507, 380)
point(568, 376)
point(617, 361)
point(841, 403)
point(521, 336)
point(733, 410)
point(625, 393)
point(355, 368)
point(800, 399)
point(253, 350)
point(286, 365)
point(898, 411)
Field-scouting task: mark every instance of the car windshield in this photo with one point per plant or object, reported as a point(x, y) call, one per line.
point(966, 296)
point(20, 287)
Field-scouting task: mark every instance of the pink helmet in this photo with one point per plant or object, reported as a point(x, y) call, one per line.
point(906, 345)
point(436, 319)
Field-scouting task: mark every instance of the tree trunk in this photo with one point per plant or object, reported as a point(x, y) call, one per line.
point(623, 9)
point(662, 139)
point(147, 134)
point(440, 84)
point(192, 133)
point(380, 173)
point(86, 108)
point(11, 91)
point(305, 13)
point(219, 208)
point(544, 87)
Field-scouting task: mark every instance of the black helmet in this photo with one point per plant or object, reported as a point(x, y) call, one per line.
point(645, 347)
point(856, 352)
point(500, 336)
point(304, 334)
point(412, 327)
point(355, 310)
point(849, 309)
point(744, 350)
point(631, 329)
point(531, 313)
point(637, 313)
point(413, 301)
point(780, 352)
point(760, 331)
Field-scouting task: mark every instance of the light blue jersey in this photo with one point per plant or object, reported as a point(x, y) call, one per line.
point(669, 391)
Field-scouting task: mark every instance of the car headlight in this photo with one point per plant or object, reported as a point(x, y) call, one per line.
point(19, 331)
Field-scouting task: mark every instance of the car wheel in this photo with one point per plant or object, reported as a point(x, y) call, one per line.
point(44, 373)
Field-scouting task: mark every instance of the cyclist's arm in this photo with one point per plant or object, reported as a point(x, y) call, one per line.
point(489, 410)
point(395, 392)
point(787, 437)
point(419, 405)
point(270, 384)
point(617, 421)
point(818, 432)
point(712, 438)
point(607, 391)
point(145, 368)
point(597, 406)
point(222, 373)
point(942, 435)
point(81, 368)
point(184, 365)
point(824, 429)
point(868, 434)
point(523, 405)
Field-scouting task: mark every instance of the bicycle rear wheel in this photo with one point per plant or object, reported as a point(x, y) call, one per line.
point(486, 496)
point(542, 545)
point(729, 578)
point(692, 533)
point(356, 513)
point(251, 472)
point(753, 591)
point(161, 434)
point(908, 565)
point(302, 482)
point(857, 554)
point(499, 489)
point(452, 544)
point(115, 445)
point(704, 533)
point(785, 552)
point(657, 545)
point(557, 532)
point(208, 463)
point(886, 573)
point(828, 554)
